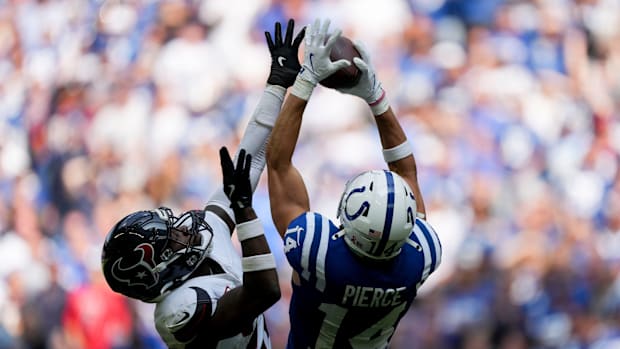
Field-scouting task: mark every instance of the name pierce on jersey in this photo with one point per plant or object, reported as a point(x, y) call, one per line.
point(372, 297)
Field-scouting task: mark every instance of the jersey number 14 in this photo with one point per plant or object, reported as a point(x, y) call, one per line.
point(375, 336)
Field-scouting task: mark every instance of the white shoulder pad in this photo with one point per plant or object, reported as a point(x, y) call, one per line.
point(196, 297)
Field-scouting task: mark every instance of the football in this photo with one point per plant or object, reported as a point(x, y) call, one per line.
point(346, 77)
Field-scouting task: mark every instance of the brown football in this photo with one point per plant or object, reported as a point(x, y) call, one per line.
point(346, 77)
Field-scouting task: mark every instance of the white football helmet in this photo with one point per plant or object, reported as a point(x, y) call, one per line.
point(377, 211)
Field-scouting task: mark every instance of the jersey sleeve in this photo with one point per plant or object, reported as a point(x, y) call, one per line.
point(427, 238)
point(305, 245)
point(294, 239)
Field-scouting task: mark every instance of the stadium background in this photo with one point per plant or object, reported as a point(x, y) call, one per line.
point(512, 107)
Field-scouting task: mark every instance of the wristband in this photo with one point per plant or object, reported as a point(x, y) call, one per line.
point(400, 151)
point(302, 88)
point(249, 229)
point(258, 262)
point(381, 105)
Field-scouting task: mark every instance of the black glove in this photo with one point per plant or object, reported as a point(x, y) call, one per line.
point(284, 61)
point(237, 185)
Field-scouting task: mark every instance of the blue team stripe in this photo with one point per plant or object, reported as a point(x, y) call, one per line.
point(322, 252)
point(314, 248)
point(389, 215)
point(436, 241)
point(431, 244)
point(419, 237)
point(305, 252)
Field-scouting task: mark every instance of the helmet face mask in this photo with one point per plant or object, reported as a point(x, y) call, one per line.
point(148, 253)
point(377, 211)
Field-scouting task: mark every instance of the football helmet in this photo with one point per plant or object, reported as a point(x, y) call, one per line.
point(377, 212)
point(144, 258)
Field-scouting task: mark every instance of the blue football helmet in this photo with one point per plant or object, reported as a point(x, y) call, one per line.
point(142, 259)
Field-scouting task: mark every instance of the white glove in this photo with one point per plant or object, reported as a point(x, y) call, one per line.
point(317, 65)
point(369, 87)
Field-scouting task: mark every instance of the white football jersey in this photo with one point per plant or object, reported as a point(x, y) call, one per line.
point(178, 313)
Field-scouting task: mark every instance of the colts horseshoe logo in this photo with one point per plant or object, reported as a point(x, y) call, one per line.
point(363, 208)
point(139, 273)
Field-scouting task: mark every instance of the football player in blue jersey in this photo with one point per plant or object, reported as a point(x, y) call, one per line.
point(206, 295)
point(353, 281)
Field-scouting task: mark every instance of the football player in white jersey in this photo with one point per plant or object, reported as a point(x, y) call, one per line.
point(206, 295)
point(352, 282)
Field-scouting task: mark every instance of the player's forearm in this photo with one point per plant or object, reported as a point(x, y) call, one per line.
point(397, 152)
point(268, 108)
point(285, 133)
point(259, 129)
point(392, 136)
point(245, 214)
point(390, 131)
point(396, 148)
point(260, 278)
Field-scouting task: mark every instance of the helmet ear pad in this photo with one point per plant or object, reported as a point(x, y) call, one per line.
point(377, 214)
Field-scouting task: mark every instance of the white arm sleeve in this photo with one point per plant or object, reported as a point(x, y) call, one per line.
point(255, 137)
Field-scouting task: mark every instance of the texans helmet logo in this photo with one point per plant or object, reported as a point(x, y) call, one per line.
point(139, 273)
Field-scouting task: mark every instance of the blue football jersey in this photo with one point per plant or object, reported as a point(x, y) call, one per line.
point(344, 301)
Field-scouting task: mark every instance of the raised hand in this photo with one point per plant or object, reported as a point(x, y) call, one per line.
point(318, 45)
point(237, 185)
point(369, 87)
point(284, 62)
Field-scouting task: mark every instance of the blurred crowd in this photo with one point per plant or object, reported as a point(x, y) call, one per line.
point(110, 106)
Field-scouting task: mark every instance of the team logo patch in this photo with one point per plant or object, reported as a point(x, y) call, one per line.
point(140, 272)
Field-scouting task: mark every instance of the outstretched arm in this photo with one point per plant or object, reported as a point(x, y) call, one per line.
point(237, 308)
point(284, 68)
point(398, 155)
point(287, 191)
point(396, 148)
